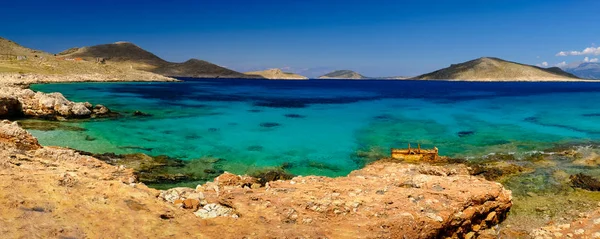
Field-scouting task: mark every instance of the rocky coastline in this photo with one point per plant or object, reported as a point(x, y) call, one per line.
point(383, 200)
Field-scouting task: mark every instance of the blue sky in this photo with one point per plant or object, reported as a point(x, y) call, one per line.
point(376, 38)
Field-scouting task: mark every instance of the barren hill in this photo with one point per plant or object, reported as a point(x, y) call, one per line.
point(19, 64)
point(276, 74)
point(138, 58)
point(117, 52)
point(198, 69)
point(495, 69)
point(343, 74)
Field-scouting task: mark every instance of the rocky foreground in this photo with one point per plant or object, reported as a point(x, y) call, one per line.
point(57, 193)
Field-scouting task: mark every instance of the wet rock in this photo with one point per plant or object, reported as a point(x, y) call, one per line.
point(100, 110)
point(141, 114)
point(586, 182)
point(498, 170)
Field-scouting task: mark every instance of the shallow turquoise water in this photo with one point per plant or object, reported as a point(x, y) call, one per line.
point(329, 121)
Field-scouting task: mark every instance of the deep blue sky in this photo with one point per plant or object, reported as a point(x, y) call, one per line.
point(376, 38)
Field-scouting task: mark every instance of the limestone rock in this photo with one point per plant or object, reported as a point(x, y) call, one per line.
point(215, 210)
point(80, 110)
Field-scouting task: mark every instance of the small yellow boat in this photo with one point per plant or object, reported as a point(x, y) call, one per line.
point(416, 155)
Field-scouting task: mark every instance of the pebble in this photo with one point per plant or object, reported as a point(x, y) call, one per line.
point(596, 235)
point(579, 232)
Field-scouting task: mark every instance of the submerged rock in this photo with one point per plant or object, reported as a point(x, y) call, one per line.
point(462, 134)
point(294, 116)
point(269, 124)
point(586, 182)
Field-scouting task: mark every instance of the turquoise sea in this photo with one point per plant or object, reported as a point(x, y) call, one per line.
point(317, 127)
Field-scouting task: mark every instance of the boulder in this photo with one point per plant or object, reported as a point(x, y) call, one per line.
point(80, 110)
point(100, 110)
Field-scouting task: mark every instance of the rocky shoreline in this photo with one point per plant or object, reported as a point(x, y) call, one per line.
point(383, 200)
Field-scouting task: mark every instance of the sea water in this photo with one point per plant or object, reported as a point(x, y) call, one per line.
point(316, 127)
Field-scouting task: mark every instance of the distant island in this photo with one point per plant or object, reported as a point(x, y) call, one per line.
point(343, 74)
point(495, 69)
point(276, 74)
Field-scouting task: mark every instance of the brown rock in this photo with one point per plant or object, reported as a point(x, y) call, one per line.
point(191, 204)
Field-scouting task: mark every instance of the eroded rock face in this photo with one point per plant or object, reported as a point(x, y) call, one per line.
point(11, 133)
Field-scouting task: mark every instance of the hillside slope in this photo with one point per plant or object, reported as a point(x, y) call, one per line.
point(343, 74)
point(276, 74)
point(19, 64)
point(131, 55)
point(117, 52)
point(495, 69)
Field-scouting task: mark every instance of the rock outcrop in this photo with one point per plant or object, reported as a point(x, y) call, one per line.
point(59, 193)
point(18, 102)
point(383, 200)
